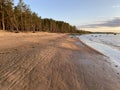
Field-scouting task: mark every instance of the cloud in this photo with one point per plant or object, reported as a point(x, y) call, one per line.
point(110, 23)
point(116, 6)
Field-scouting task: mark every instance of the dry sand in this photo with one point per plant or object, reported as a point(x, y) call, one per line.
point(45, 61)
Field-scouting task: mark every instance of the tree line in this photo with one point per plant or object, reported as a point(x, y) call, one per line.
point(21, 18)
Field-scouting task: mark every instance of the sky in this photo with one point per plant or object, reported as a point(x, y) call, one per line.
point(92, 15)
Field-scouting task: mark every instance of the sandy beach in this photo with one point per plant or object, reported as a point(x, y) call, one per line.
point(50, 61)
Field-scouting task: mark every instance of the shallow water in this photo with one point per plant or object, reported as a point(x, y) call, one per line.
point(108, 44)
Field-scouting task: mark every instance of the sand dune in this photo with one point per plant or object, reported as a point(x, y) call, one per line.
point(45, 61)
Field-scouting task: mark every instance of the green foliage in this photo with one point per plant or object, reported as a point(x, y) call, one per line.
point(21, 18)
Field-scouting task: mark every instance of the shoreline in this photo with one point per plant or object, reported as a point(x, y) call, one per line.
point(53, 61)
point(106, 44)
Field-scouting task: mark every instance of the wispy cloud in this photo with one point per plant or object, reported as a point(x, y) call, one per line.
point(116, 6)
point(109, 23)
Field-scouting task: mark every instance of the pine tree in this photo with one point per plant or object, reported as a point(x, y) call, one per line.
point(21, 18)
point(2, 11)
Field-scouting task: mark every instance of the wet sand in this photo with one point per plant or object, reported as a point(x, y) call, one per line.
point(50, 61)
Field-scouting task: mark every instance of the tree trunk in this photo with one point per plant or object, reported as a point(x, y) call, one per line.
point(3, 16)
